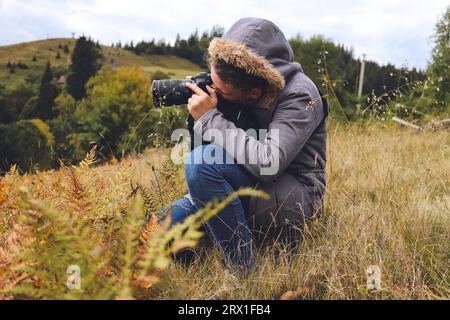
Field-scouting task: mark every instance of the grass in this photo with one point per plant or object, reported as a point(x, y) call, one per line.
point(46, 50)
point(387, 204)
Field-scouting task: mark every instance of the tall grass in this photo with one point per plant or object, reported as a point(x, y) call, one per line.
point(387, 204)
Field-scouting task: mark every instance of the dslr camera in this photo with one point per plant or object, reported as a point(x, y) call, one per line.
point(174, 92)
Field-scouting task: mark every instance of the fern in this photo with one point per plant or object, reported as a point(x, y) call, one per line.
point(3, 191)
point(129, 236)
point(149, 229)
point(77, 194)
point(112, 204)
point(11, 177)
point(169, 172)
point(152, 202)
point(164, 191)
point(61, 241)
point(117, 256)
point(89, 159)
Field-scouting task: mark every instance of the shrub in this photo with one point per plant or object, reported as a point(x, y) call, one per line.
point(27, 143)
point(117, 102)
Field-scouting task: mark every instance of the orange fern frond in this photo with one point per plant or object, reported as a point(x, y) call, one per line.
point(3, 191)
point(149, 230)
point(77, 193)
point(147, 281)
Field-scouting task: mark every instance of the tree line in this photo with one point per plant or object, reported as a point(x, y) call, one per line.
point(194, 48)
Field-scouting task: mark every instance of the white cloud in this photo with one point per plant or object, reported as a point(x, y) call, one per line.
point(387, 30)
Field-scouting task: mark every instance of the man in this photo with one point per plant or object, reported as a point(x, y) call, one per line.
point(256, 85)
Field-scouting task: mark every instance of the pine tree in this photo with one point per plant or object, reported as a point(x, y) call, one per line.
point(58, 56)
point(34, 58)
point(216, 31)
point(66, 48)
point(86, 61)
point(47, 95)
point(177, 41)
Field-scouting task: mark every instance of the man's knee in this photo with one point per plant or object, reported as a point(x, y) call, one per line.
point(204, 160)
point(209, 154)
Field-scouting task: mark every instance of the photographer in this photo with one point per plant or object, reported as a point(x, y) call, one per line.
point(256, 85)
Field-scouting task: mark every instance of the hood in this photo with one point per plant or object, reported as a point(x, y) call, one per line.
point(258, 47)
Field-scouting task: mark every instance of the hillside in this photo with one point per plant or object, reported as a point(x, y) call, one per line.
point(47, 50)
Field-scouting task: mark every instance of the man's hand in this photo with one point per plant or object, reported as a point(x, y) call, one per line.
point(201, 102)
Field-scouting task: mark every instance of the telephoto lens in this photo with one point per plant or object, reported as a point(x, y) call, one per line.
point(174, 92)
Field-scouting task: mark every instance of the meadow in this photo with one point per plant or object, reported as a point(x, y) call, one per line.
point(387, 206)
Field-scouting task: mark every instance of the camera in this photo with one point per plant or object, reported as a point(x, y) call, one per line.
point(174, 92)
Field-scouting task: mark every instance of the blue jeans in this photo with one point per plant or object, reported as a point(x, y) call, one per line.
point(212, 173)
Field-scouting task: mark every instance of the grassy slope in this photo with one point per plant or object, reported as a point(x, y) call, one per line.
point(387, 204)
point(46, 50)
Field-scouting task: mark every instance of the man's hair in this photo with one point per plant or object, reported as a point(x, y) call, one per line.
point(238, 78)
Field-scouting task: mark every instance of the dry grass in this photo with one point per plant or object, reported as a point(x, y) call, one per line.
point(387, 204)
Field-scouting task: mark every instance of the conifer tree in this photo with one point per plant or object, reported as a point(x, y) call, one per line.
point(47, 95)
point(86, 61)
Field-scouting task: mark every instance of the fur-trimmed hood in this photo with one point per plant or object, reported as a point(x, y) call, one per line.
point(258, 47)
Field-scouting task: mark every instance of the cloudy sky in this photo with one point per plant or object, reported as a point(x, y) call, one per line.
point(396, 31)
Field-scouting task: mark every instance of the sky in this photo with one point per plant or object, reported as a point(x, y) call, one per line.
point(387, 31)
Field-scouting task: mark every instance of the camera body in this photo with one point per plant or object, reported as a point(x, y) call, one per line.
point(174, 92)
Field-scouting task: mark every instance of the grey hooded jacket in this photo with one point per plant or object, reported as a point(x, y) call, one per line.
point(294, 148)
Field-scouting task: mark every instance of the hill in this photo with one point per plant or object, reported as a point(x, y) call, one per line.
point(34, 55)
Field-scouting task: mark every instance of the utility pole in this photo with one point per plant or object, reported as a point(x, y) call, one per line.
point(361, 79)
point(361, 76)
